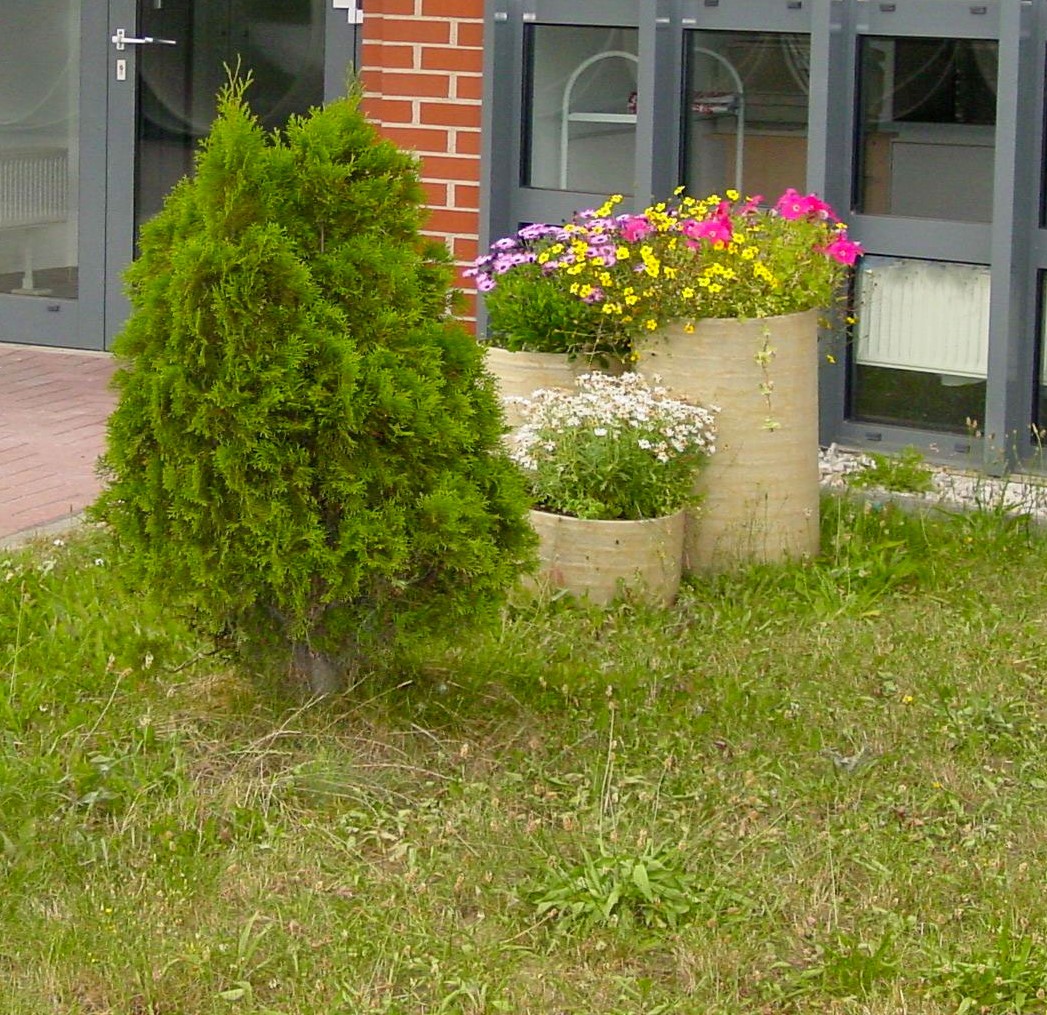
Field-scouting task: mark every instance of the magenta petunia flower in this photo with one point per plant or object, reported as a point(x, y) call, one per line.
point(715, 230)
point(634, 227)
point(843, 250)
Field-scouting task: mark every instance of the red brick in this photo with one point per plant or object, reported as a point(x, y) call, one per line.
point(379, 54)
point(389, 110)
point(466, 196)
point(446, 222)
point(371, 107)
point(418, 139)
point(453, 8)
point(452, 58)
point(470, 33)
point(441, 167)
point(390, 7)
point(436, 194)
point(469, 311)
point(468, 87)
point(465, 248)
point(402, 30)
point(433, 86)
point(450, 114)
point(467, 142)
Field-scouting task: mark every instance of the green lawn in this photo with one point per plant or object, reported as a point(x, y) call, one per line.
point(811, 789)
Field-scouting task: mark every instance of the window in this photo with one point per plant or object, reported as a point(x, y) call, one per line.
point(745, 112)
point(580, 119)
point(928, 128)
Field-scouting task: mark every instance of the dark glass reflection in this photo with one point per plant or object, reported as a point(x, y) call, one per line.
point(281, 42)
point(927, 128)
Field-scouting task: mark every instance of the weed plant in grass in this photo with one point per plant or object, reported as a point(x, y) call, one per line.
point(807, 789)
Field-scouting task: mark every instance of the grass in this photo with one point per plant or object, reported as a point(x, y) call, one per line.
point(807, 789)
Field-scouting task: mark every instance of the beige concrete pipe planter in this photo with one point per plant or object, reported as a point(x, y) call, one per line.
point(599, 558)
point(520, 374)
point(760, 488)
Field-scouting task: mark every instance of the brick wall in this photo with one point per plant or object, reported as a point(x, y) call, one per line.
point(422, 77)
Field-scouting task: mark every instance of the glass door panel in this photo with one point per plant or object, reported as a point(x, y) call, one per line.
point(581, 115)
point(745, 111)
point(280, 42)
point(39, 149)
point(927, 131)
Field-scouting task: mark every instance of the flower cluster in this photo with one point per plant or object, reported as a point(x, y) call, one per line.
point(681, 260)
point(614, 448)
point(533, 305)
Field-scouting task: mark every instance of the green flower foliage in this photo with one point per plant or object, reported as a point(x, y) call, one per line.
point(306, 443)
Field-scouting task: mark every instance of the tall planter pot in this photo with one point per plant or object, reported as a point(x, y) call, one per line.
point(520, 374)
point(594, 558)
point(760, 489)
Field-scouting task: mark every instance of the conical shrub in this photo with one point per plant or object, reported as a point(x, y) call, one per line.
point(306, 450)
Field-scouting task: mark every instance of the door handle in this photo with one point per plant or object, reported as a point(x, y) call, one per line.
point(122, 40)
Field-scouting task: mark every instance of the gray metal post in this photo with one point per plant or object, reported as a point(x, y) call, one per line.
point(1008, 396)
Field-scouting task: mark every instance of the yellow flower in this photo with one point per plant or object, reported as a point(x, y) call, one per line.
point(733, 195)
point(688, 293)
point(715, 287)
point(650, 324)
point(689, 328)
point(622, 253)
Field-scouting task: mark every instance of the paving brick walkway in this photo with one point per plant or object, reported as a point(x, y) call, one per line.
point(53, 408)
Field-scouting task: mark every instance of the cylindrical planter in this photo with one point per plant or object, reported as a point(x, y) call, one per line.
point(598, 558)
point(520, 374)
point(760, 488)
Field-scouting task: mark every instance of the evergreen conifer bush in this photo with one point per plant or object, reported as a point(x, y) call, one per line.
point(306, 444)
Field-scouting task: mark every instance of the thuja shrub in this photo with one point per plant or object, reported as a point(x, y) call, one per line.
point(306, 451)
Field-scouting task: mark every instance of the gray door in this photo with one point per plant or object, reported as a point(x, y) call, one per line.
point(52, 171)
point(102, 106)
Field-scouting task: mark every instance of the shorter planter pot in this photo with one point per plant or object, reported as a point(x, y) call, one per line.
point(520, 374)
point(598, 558)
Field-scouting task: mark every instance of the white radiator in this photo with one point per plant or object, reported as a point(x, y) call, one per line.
point(923, 315)
point(34, 187)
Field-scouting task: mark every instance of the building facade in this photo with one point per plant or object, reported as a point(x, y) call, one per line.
point(921, 121)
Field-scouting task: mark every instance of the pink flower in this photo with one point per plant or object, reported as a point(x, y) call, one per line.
point(634, 227)
point(715, 230)
point(792, 205)
point(843, 250)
